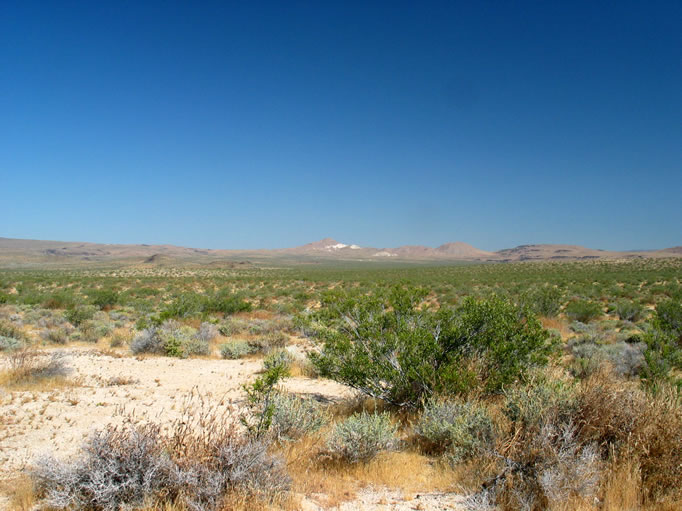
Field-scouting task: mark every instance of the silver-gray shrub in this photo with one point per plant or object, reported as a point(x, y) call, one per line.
point(278, 358)
point(134, 465)
point(362, 436)
point(117, 468)
point(235, 349)
point(460, 430)
point(9, 343)
point(55, 335)
point(148, 340)
point(294, 417)
point(627, 359)
point(171, 338)
point(207, 331)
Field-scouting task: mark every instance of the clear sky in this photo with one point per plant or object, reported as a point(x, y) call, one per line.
point(272, 124)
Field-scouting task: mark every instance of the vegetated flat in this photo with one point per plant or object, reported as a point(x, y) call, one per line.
point(94, 313)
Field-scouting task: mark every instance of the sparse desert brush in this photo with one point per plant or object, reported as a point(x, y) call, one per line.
point(29, 367)
point(626, 358)
point(7, 329)
point(171, 339)
point(279, 357)
point(120, 337)
point(202, 461)
point(55, 336)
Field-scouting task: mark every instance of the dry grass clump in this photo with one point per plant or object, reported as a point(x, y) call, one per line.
point(30, 368)
point(333, 482)
point(639, 427)
point(20, 492)
point(202, 461)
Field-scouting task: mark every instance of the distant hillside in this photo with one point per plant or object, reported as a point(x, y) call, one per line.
point(18, 252)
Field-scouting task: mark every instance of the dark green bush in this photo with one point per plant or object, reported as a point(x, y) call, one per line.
point(669, 317)
point(192, 304)
point(392, 347)
point(78, 314)
point(629, 311)
point(662, 355)
point(583, 310)
point(543, 300)
point(103, 298)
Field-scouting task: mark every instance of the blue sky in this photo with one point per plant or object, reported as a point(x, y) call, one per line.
point(272, 124)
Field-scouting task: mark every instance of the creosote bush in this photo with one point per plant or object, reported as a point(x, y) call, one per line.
point(362, 436)
point(629, 311)
point(583, 310)
point(393, 347)
point(543, 300)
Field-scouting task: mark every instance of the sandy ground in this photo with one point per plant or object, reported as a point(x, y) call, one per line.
point(108, 387)
point(59, 420)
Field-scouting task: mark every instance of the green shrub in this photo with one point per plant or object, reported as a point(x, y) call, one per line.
point(663, 354)
point(395, 349)
point(460, 429)
point(361, 437)
point(103, 298)
point(183, 306)
point(629, 311)
point(235, 349)
point(61, 299)
point(79, 313)
point(543, 300)
point(227, 304)
point(669, 317)
point(583, 310)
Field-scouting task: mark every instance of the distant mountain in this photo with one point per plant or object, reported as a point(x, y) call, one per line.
point(18, 252)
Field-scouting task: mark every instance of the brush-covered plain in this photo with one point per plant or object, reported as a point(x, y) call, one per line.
point(544, 385)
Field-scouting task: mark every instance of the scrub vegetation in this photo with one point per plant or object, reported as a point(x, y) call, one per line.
point(544, 385)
